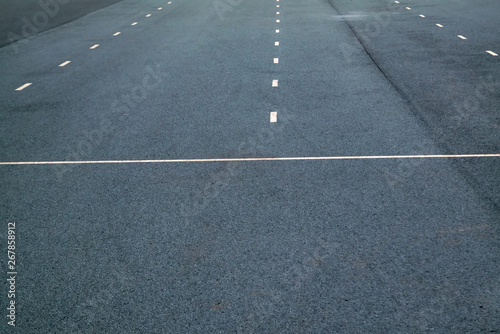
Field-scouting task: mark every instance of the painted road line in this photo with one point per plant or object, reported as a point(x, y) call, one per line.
point(439, 25)
point(169, 3)
point(408, 8)
point(275, 83)
point(396, 1)
point(133, 24)
point(24, 86)
point(117, 33)
point(492, 53)
point(276, 60)
point(277, 21)
point(353, 157)
point(277, 31)
point(149, 15)
point(277, 6)
point(94, 46)
point(277, 13)
point(160, 8)
point(65, 63)
point(276, 43)
point(422, 15)
point(461, 37)
point(273, 116)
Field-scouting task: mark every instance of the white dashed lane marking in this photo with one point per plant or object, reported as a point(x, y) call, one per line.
point(461, 37)
point(160, 8)
point(492, 53)
point(275, 83)
point(408, 8)
point(273, 117)
point(24, 86)
point(94, 46)
point(277, 13)
point(65, 63)
point(117, 33)
point(149, 15)
point(277, 21)
point(277, 31)
point(133, 24)
point(422, 15)
point(276, 60)
point(439, 25)
point(276, 43)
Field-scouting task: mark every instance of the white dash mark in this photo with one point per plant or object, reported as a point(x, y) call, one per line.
point(492, 53)
point(276, 60)
point(277, 31)
point(273, 116)
point(169, 3)
point(24, 86)
point(277, 21)
point(160, 8)
point(149, 15)
point(133, 24)
point(94, 46)
point(461, 37)
point(65, 63)
point(396, 1)
point(277, 13)
point(276, 43)
point(275, 83)
point(439, 25)
point(408, 8)
point(422, 15)
point(277, 6)
point(117, 33)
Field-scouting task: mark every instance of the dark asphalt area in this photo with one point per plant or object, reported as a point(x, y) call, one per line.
point(364, 245)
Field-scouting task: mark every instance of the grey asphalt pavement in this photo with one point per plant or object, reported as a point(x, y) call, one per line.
point(143, 234)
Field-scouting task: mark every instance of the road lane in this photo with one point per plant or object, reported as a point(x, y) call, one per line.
point(362, 245)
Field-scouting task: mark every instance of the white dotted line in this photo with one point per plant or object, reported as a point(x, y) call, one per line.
point(91, 48)
point(459, 36)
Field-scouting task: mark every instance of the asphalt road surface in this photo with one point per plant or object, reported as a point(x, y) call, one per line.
point(237, 166)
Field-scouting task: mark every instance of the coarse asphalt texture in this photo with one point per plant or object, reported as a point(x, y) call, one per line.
point(181, 244)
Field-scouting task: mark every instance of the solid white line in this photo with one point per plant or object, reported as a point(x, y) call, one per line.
point(492, 53)
point(94, 46)
point(117, 33)
point(273, 117)
point(276, 43)
point(24, 86)
point(461, 37)
point(275, 83)
point(359, 157)
point(65, 63)
point(439, 25)
point(276, 60)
